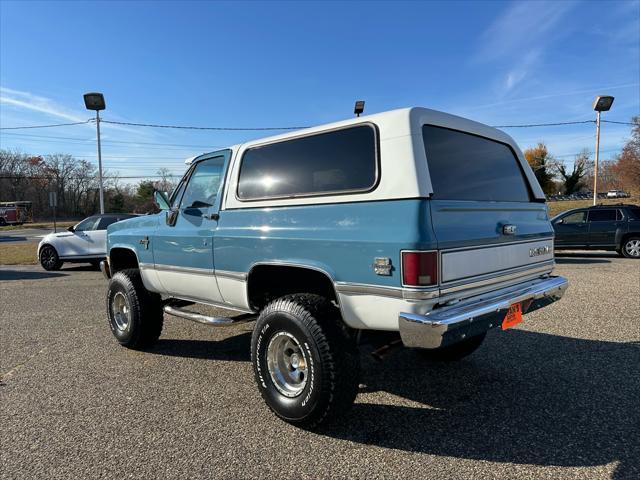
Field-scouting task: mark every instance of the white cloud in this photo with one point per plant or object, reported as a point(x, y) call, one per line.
point(522, 27)
point(519, 72)
point(36, 103)
point(518, 38)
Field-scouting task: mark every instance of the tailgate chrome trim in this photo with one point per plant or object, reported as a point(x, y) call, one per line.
point(475, 262)
point(496, 277)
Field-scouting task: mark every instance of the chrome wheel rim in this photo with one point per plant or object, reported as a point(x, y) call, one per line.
point(47, 257)
point(287, 364)
point(120, 309)
point(632, 247)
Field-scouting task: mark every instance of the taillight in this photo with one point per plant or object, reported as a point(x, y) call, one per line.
point(419, 269)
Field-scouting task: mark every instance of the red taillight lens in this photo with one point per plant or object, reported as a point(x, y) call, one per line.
point(419, 269)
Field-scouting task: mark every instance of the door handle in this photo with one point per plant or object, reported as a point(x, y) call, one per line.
point(212, 216)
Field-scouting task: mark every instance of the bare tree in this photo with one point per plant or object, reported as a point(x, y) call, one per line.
point(573, 180)
point(166, 182)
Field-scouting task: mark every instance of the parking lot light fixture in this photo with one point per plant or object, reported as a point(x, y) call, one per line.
point(359, 107)
point(95, 101)
point(602, 103)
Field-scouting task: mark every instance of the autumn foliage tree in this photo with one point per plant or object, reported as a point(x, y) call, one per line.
point(542, 164)
point(627, 167)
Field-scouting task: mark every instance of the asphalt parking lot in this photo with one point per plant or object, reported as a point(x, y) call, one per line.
point(30, 235)
point(556, 397)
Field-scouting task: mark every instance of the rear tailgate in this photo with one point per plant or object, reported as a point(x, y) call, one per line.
point(488, 225)
point(473, 245)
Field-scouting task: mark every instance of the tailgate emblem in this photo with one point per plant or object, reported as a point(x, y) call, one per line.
point(509, 229)
point(536, 252)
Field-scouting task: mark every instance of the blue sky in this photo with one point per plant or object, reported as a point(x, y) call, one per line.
point(279, 64)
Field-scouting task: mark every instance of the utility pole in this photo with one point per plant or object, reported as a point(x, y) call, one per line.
point(100, 161)
point(602, 103)
point(95, 101)
point(595, 171)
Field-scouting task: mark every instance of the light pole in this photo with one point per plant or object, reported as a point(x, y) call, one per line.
point(95, 101)
point(602, 103)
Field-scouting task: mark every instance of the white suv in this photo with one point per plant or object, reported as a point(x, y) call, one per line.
point(84, 242)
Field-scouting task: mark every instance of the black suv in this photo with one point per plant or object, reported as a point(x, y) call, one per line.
point(602, 227)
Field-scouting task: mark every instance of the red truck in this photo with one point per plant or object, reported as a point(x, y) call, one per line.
point(15, 213)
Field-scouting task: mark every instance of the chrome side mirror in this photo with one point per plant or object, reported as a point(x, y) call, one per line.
point(172, 216)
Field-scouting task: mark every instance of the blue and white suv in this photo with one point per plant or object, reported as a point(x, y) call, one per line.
point(410, 221)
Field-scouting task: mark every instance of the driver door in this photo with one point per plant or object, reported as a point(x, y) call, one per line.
point(572, 229)
point(79, 242)
point(183, 244)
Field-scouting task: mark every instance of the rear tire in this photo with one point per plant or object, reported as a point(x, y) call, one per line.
point(49, 258)
point(454, 352)
point(135, 314)
point(306, 364)
point(631, 247)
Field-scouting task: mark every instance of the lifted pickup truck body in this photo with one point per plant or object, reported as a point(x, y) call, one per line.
point(412, 221)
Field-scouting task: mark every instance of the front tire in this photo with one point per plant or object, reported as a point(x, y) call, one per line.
point(49, 258)
point(306, 365)
point(454, 352)
point(135, 314)
point(631, 247)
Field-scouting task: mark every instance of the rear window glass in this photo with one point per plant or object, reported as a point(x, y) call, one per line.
point(339, 161)
point(463, 166)
point(634, 212)
point(105, 222)
point(602, 215)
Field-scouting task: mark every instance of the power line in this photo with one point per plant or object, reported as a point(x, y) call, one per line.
point(543, 124)
point(18, 177)
point(47, 126)
point(185, 127)
point(56, 137)
point(618, 123)
point(189, 127)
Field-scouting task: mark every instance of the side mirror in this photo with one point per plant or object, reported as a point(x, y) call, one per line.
point(560, 221)
point(172, 216)
point(71, 229)
point(161, 200)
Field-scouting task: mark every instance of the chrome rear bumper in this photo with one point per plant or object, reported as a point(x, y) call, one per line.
point(448, 325)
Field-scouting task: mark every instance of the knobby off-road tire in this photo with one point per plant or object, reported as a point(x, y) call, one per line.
point(631, 247)
point(454, 352)
point(135, 314)
point(306, 364)
point(49, 258)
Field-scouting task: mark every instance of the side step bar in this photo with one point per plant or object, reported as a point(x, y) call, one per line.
point(205, 319)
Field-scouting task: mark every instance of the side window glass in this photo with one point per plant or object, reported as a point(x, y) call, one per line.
point(202, 189)
point(602, 215)
point(87, 224)
point(577, 217)
point(105, 222)
point(343, 160)
point(176, 195)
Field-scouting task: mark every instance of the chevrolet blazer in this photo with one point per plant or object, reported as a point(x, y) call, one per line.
point(413, 222)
